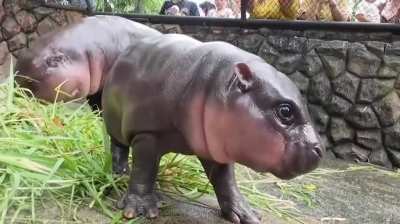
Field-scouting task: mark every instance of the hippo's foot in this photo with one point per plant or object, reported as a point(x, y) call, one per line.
point(239, 212)
point(135, 205)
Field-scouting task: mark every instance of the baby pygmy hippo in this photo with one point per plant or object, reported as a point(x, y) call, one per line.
point(172, 93)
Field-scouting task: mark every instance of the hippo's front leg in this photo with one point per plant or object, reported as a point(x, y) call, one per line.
point(140, 199)
point(233, 205)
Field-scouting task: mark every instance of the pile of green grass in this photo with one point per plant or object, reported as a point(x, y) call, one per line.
point(57, 152)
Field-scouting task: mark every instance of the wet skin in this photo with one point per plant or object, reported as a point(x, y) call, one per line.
point(77, 58)
point(172, 93)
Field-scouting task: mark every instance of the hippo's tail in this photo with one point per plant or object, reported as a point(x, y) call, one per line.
point(26, 73)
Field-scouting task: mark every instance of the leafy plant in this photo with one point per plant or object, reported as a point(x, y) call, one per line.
point(130, 6)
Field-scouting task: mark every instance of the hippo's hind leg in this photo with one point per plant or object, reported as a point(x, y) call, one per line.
point(141, 198)
point(120, 154)
point(94, 101)
point(233, 205)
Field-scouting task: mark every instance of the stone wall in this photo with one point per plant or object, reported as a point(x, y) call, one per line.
point(350, 79)
point(21, 22)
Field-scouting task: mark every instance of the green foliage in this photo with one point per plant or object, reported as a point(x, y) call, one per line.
point(130, 6)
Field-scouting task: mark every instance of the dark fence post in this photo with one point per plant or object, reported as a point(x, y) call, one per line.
point(243, 7)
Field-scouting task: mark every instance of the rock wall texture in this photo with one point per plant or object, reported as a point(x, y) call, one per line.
point(350, 79)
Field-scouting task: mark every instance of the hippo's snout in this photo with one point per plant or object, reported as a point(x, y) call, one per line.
point(310, 142)
point(318, 149)
point(311, 158)
point(304, 151)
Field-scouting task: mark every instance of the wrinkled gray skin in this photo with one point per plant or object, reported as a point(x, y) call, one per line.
point(172, 93)
point(77, 57)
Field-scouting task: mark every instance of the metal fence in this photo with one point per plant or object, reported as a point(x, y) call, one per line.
point(375, 11)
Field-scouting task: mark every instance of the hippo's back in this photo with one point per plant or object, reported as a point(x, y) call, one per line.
point(111, 34)
point(170, 63)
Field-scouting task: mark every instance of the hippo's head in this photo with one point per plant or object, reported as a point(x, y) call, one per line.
point(260, 120)
point(51, 74)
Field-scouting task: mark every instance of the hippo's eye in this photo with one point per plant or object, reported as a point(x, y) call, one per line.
point(285, 113)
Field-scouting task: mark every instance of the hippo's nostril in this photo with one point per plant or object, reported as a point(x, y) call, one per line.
point(318, 151)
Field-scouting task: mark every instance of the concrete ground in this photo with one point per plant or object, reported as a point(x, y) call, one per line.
point(364, 196)
point(357, 197)
point(344, 195)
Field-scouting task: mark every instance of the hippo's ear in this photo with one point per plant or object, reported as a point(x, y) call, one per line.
point(244, 76)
